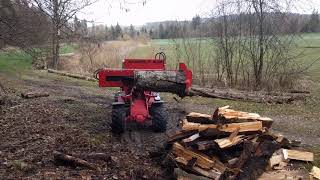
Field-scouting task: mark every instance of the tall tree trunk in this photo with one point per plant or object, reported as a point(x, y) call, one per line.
point(261, 43)
point(55, 37)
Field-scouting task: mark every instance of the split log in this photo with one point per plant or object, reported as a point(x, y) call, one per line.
point(182, 175)
point(276, 159)
point(77, 76)
point(254, 159)
point(226, 142)
point(243, 127)
point(234, 134)
point(72, 161)
point(161, 81)
point(180, 135)
point(315, 172)
point(261, 97)
point(31, 95)
point(298, 155)
point(213, 133)
point(212, 174)
point(202, 161)
point(200, 118)
point(232, 162)
point(206, 145)
point(191, 138)
point(226, 115)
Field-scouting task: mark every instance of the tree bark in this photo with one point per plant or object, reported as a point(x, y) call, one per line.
point(55, 36)
point(161, 81)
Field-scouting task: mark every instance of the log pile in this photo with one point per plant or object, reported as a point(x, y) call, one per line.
point(229, 144)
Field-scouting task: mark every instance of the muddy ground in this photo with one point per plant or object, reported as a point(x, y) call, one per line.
point(74, 120)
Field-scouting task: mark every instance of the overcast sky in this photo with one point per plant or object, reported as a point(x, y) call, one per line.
point(110, 11)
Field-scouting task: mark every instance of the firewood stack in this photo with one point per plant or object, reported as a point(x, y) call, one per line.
point(229, 145)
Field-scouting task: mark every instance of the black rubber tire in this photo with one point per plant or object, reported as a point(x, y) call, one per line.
point(159, 117)
point(118, 124)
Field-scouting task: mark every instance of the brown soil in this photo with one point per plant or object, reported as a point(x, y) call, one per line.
point(75, 120)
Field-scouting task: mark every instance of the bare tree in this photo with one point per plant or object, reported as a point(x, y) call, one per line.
point(60, 12)
point(24, 26)
point(254, 43)
point(7, 21)
point(89, 48)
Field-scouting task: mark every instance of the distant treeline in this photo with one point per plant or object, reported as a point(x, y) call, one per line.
point(295, 23)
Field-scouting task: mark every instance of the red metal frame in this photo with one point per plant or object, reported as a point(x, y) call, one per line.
point(140, 101)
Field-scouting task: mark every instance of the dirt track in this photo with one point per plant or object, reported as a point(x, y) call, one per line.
point(74, 119)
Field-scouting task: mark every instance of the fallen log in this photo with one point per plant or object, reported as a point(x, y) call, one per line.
point(31, 95)
point(72, 161)
point(261, 97)
point(174, 82)
point(243, 127)
point(202, 161)
point(98, 156)
point(77, 76)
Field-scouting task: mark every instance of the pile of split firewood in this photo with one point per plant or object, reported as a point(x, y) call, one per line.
point(230, 145)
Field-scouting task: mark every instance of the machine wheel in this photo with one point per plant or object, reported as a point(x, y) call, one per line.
point(118, 124)
point(159, 117)
point(116, 95)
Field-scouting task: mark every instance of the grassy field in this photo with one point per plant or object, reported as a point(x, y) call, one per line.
point(14, 61)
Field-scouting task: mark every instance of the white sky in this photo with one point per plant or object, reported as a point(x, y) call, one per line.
point(109, 11)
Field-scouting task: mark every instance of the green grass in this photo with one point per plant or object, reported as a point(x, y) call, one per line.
point(68, 48)
point(14, 61)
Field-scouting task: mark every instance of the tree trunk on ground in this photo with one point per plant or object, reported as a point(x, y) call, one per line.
point(174, 82)
point(72, 161)
point(258, 97)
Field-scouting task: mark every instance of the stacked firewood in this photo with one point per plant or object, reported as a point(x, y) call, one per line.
point(229, 144)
